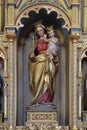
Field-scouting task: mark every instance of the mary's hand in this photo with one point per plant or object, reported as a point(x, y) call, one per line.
point(31, 54)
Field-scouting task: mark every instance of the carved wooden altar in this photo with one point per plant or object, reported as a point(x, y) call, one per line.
point(42, 117)
point(16, 31)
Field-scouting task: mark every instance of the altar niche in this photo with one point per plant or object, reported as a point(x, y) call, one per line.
point(85, 93)
point(1, 89)
point(25, 35)
point(84, 82)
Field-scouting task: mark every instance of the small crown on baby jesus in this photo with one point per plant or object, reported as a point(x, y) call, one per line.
point(49, 28)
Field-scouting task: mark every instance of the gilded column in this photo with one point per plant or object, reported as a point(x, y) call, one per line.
point(79, 98)
point(12, 79)
point(5, 101)
point(6, 12)
point(74, 86)
point(11, 84)
point(79, 81)
point(6, 62)
point(6, 82)
point(85, 15)
point(10, 34)
point(74, 39)
point(75, 14)
point(75, 34)
point(0, 12)
point(10, 12)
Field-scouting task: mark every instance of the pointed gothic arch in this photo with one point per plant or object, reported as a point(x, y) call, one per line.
point(29, 13)
point(1, 84)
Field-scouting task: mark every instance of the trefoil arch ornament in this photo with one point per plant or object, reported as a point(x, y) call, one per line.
point(49, 7)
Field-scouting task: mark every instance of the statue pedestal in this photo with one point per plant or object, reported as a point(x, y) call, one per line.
point(42, 117)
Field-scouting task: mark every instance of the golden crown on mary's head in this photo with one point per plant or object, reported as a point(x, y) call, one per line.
point(39, 24)
point(49, 28)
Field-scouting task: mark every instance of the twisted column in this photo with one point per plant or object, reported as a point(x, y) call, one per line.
point(12, 82)
point(74, 86)
point(79, 83)
point(74, 39)
point(0, 13)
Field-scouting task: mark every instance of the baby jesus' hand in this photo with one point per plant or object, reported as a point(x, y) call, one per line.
point(54, 40)
point(53, 52)
point(45, 38)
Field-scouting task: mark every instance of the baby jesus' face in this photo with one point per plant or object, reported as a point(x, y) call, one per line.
point(51, 33)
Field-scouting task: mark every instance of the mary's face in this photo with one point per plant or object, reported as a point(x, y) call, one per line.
point(40, 32)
